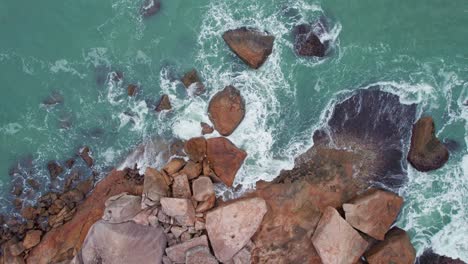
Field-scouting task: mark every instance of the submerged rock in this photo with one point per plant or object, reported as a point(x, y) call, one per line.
point(150, 8)
point(429, 257)
point(163, 104)
point(132, 89)
point(426, 152)
point(193, 83)
point(226, 110)
point(250, 45)
point(396, 248)
point(53, 99)
point(86, 156)
point(54, 169)
point(306, 42)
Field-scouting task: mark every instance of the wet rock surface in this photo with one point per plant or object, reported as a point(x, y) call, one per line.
point(429, 257)
point(306, 41)
point(396, 248)
point(150, 8)
point(226, 110)
point(163, 104)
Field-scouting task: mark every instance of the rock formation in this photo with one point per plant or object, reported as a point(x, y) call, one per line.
point(163, 104)
point(226, 110)
point(306, 42)
point(396, 248)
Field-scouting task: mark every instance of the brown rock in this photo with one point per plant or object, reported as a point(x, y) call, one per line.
point(230, 227)
point(251, 45)
point(69, 163)
point(199, 255)
point(306, 42)
point(181, 187)
point(86, 186)
point(181, 209)
point(206, 168)
point(429, 257)
point(196, 148)
point(164, 103)
point(121, 208)
point(336, 241)
point(132, 89)
point(7, 257)
point(177, 253)
point(28, 212)
point(226, 110)
point(16, 249)
point(60, 243)
point(32, 238)
point(396, 248)
point(373, 212)
point(54, 169)
point(206, 205)
point(192, 169)
point(86, 156)
point(192, 82)
point(224, 158)
point(150, 8)
point(203, 189)
point(173, 166)
point(33, 183)
point(206, 129)
point(426, 152)
point(155, 187)
point(72, 196)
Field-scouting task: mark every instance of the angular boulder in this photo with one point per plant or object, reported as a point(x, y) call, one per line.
point(199, 255)
point(173, 166)
point(32, 238)
point(225, 159)
point(192, 169)
point(226, 110)
point(155, 187)
point(426, 152)
point(121, 208)
point(181, 187)
point(86, 156)
point(177, 253)
point(336, 241)
point(203, 189)
point(396, 248)
point(196, 148)
point(181, 209)
point(250, 45)
point(163, 104)
point(306, 42)
point(373, 212)
point(230, 227)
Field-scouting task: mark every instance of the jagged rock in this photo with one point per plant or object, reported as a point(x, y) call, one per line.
point(150, 8)
point(164, 103)
point(173, 166)
point(54, 169)
point(121, 208)
point(250, 45)
point(429, 257)
point(86, 156)
point(181, 187)
point(199, 255)
point(192, 169)
point(230, 227)
point(177, 253)
point(206, 205)
point(110, 243)
point(226, 110)
point(196, 148)
point(155, 187)
point(193, 83)
point(373, 212)
point(426, 152)
point(203, 189)
point(181, 209)
point(224, 158)
point(132, 89)
point(206, 129)
point(306, 42)
point(336, 241)
point(32, 238)
point(396, 248)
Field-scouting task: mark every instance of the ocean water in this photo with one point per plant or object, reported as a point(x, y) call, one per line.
point(69, 49)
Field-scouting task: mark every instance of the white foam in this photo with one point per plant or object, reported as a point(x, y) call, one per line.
point(11, 128)
point(63, 66)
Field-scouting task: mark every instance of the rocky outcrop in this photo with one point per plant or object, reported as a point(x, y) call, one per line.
point(252, 46)
point(426, 152)
point(429, 257)
point(306, 42)
point(336, 241)
point(373, 212)
point(396, 248)
point(224, 158)
point(163, 104)
point(193, 83)
point(196, 148)
point(230, 227)
point(155, 187)
point(54, 169)
point(150, 8)
point(85, 154)
point(226, 110)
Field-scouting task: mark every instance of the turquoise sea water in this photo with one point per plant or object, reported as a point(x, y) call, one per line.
point(416, 49)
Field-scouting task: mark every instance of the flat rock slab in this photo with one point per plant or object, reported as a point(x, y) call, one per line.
point(181, 209)
point(373, 212)
point(230, 227)
point(226, 110)
point(177, 253)
point(224, 158)
point(155, 187)
point(250, 45)
point(200, 255)
point(396, 248)
point(336, 241)
point(121, 208)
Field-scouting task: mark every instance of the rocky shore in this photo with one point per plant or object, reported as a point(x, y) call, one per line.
point(337, 205)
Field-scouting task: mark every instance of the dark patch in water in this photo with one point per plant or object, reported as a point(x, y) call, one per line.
point(54, 98)
point(150, 8)
point(452, 145)
point(101, 73)
point(429, 257)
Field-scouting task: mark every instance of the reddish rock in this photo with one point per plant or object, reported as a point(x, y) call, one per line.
point(429, 257)
point(155, 187)
point(72, 196)
point(206, 205)
point(28, 212)
point(196, 148)
point(69, 163)
point(150, 8)
point(426, 152)
point(86, 186)
point(193, 83)
point(250, 45)
point(54, 169)
point(32, 238)
point(396, 248)
point(373, 212)
point(61, 243)
point(177, 253)
point(226, 110)
point(336, 241)
point(132, 89)
point(181, 187)
point(7, 257)
point(86, 156)
point(203, 189)
point(230, 227)
point(206, 129)
point(181, 209)
point(164, 103)
point(225, 158)
point(200, 255)
point(16, 249)
point(192, 169)
point(121, 208)
point(306, 42)
point(173, 166)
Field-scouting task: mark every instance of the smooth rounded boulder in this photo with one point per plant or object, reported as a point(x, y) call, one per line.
point(426, 152)
point(226, 110)
point(396, 248)
point(250, 45)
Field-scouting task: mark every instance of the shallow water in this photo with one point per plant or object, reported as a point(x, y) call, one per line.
point(415, 49)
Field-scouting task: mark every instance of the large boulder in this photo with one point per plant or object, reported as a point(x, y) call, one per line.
point(123, 243)
point(306, 42)
point(196, 148)
point(426, 152)
point(373, 212)
point(181, 209)
point(225, 159)
point(178, 252)
point(121, 208)
point(226, 110)
point(155, 187)
point(230, 227)
point(396, 248)
point(336, 241)
point(251, 45)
